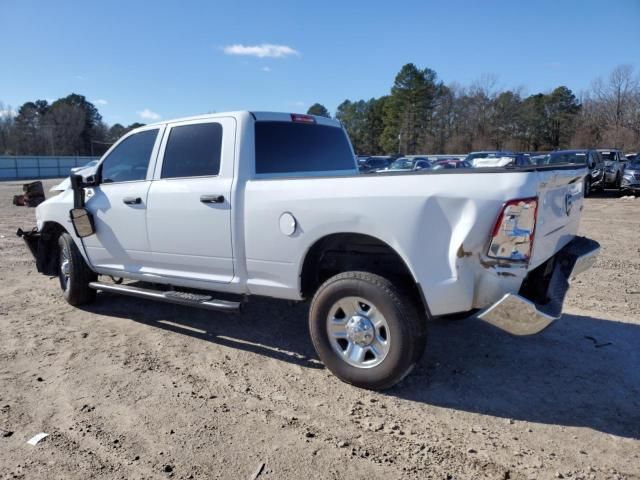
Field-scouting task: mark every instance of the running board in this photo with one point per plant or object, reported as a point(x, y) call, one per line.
point(180, 298)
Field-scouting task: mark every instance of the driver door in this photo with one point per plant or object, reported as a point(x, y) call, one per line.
point(119, 204)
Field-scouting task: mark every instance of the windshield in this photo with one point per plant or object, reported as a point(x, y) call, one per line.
point(402, 164)
point(608, 155)
point(566, 157)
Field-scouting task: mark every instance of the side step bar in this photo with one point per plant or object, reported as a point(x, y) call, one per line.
point(180, 298)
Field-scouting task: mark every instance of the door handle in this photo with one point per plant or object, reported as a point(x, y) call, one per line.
point(132, 200)
point(212, 198)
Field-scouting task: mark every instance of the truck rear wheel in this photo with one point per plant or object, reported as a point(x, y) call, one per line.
point(74, 273)
point(366, 331)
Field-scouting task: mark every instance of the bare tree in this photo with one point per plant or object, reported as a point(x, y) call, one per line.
point(6, 123)
point(616, 106)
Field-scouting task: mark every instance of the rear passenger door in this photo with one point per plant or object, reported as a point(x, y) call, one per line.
point(189, 209)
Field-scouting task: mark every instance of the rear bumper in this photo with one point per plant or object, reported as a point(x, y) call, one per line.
point(540, 300)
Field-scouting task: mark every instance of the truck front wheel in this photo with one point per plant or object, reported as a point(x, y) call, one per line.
point(365, 330)
point(74, 273)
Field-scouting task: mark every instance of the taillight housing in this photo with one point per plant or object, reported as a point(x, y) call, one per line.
point(514, 230)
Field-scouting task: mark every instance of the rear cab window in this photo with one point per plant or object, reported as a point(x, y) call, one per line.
point(301, 149)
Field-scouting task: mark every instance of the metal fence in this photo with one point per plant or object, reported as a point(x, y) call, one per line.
point(13, 168)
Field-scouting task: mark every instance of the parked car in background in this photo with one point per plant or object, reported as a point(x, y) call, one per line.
point(631, 176)
point(372, 164)
point(435, 158)
point(631, 157)
point(450, 163)
point(474, 156)
point(406, 164)
point(594, 180)
point(613, 166)
point(503, 160)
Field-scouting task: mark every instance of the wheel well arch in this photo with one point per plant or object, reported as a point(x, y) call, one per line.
point(340, 252)
point(53, 228)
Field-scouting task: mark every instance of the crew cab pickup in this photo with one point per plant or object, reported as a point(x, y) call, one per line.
point(248, 203)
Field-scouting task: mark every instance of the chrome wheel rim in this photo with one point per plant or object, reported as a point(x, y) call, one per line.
point(65, 269)
point(358, 332)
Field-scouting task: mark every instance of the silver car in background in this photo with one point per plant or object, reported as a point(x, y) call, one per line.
point(614, 162)
point(631, 177)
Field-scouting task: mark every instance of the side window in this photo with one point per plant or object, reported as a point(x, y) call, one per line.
point(130, 159)
point(193, 151)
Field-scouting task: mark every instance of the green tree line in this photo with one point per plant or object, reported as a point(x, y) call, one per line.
point(423, 115)
point(420, 114)
point(68, 126)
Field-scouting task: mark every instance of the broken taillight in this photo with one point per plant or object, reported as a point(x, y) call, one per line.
point(514, 230)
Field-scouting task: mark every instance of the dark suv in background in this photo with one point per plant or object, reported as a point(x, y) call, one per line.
point(373, 164)
point(591, 158)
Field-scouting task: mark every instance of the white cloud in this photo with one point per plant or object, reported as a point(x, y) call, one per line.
point(261, 51)
point(8, 112)
point(100, 101)
point(147, 114)
point(266, 69)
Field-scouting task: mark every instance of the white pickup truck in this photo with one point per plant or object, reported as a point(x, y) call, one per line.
point(271, 204)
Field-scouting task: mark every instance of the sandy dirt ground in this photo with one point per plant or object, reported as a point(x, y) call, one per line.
point(131, 389)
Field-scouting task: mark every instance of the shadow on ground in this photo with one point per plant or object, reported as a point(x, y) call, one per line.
point(581, 371)
point(273, 328)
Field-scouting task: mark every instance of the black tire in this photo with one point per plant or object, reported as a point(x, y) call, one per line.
point(587, 187)
point(406, 337)
point(75, 286)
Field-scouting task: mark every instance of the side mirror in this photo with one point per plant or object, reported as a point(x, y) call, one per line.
point(82, 222)
point(91, 180)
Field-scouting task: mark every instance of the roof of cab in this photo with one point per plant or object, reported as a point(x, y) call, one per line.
point(258, 116)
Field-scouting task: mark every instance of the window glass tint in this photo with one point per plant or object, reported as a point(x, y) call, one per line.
point(193, 151)
point(289, 147)
point(609, 156)
point(568, 157)
point(130, 159)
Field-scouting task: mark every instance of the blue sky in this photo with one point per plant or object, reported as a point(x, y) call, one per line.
point(139, 61)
